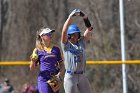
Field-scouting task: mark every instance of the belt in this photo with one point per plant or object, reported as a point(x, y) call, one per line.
point(76, 72)
point(48, 73)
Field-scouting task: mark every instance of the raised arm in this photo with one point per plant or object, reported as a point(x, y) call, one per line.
point(64, 36)
point(89, 28)
point(87, 33)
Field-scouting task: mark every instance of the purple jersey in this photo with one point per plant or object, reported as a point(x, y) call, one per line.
point(48, 59)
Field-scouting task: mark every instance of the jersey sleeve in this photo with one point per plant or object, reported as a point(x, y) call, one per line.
point(34, 54)
point(65, 46)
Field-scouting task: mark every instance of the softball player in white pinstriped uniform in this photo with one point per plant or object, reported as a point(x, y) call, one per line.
point(73, 45)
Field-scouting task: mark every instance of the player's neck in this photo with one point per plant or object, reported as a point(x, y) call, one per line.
point(48, 44)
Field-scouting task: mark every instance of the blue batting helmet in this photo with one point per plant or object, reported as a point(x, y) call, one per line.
point(73, 29)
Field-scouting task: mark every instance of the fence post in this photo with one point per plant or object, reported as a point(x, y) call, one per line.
point(123, 54)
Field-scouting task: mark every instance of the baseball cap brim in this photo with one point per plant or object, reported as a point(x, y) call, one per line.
point(46, 30)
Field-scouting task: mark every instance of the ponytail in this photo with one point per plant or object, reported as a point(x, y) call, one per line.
point(39, 44)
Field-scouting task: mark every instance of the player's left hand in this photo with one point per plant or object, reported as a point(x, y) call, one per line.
point(82, 13)
point(54, 83)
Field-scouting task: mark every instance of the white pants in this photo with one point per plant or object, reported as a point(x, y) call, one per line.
point(77, 83)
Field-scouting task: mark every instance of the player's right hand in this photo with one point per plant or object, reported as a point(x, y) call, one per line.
point(75, 12)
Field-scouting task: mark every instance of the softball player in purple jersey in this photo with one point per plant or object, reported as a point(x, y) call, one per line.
point(73, 45)
point(48, 56)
